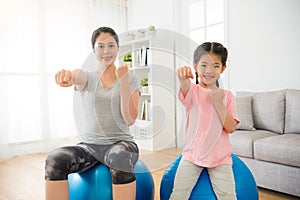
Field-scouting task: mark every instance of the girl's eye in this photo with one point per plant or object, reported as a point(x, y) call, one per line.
point(202, 65)
point(100, 47)
point(216, 66)
point(112, 45)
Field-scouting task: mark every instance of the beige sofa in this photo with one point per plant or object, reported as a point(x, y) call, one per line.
point(268, 138)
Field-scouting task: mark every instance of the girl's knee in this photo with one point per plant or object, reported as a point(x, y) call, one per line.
point(223, 183)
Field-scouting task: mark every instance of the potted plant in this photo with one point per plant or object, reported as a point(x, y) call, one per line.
point(144, 84)
point(141, 33)
point(151, 30)
point(127, 58)
point(131, 35)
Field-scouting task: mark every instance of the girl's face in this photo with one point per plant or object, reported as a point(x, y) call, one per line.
point(106, 49)
point(209, 69)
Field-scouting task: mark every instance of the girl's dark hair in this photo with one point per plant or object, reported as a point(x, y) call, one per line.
point(210, 47)
point(104, 29)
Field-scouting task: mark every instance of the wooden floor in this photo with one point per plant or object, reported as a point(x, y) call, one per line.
point(22, 178)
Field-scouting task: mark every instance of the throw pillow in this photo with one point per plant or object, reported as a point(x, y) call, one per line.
point(244, 111)
point(269, 110)
point(292, 114)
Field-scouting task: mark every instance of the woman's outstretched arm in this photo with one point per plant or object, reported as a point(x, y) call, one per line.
point(67, 78)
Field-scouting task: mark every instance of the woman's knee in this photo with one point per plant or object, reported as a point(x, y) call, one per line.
point(121, 177)
point(57, 164)
point(122, 156)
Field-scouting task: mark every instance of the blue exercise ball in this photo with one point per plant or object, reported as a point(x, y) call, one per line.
point(96, 183)
point(245, 184)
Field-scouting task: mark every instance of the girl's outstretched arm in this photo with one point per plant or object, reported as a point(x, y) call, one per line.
point(184, 74)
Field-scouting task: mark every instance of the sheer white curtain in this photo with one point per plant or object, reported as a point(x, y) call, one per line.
point(38, 38)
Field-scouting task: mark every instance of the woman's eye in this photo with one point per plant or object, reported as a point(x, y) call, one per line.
point(216, 66)
point(202, 65)
point(100, 47)
point(111, 46)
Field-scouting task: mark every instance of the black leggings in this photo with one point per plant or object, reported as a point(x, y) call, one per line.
point(119, 157)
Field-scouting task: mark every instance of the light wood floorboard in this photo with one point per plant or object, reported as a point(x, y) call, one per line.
point(22, 177)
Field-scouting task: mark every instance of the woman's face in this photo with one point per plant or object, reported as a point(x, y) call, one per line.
point(106, 49)
point(209, 69)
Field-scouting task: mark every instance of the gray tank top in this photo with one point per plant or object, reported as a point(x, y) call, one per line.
point(104, 123)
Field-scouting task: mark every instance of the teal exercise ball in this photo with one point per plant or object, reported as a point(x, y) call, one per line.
point(245, 184)
point(96, 183)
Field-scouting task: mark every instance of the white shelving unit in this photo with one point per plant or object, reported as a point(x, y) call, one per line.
point(158, 131)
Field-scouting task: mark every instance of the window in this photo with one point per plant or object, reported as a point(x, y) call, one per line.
point(38, 38)
point(19, 71)
point(206, 20)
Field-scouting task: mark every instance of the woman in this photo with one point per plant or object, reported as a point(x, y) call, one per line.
point(110, 101)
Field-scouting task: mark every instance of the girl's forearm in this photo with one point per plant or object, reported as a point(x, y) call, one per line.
point(185, 85)
point(229, 123)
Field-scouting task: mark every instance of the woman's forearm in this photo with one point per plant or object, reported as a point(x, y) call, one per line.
point(79, 78)
point(129, 101)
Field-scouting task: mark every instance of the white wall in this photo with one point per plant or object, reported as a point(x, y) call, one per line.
point(263, 39)
point(142, 13)
point(264, 42)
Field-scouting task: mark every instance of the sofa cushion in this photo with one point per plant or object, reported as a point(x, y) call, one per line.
point(268, 109)
point(242, 141)
point(292, 113)
point(282, 149)
point(244, 111)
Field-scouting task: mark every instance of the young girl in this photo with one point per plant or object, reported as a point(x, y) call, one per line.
point(211, 116)
point(110, 99)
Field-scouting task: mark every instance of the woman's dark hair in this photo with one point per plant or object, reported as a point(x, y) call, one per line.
point(210, 47)
point(104, 29)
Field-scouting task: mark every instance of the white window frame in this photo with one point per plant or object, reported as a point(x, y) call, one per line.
point(205, 26)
